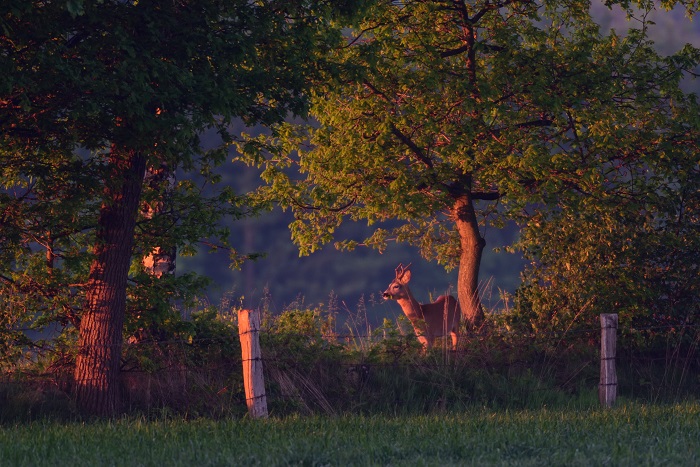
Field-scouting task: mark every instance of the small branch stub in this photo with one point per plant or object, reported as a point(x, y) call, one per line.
point(253, 379)
point(607, 390)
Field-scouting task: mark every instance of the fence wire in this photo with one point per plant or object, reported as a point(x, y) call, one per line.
point(291, 377)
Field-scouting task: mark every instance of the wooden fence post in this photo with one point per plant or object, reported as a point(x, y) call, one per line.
point(253, 380)
point(607, 389)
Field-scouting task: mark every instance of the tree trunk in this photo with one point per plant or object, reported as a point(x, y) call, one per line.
point(472, 246)
point(100, 339)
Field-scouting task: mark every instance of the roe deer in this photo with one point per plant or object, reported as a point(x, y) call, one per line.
point(430, 320)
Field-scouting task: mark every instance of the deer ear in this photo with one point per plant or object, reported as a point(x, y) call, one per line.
point(405, 277)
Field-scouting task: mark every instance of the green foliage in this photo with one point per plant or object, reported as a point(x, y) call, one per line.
point(530, 113)
point(190, 367)
point(304, 364)
point(393, 342)
point(524, 114)
point(646, 274)
point(628, 245)
point(309, 325)
point(135, 77)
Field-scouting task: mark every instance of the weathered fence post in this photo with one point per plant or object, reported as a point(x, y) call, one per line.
point(253, 380)
point(607, 390)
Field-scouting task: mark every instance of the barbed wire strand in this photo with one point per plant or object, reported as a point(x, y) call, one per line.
point(363, 365)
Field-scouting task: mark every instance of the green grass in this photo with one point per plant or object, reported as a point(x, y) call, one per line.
point(628, 435)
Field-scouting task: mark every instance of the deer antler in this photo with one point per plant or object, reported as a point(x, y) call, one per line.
point(402, 269)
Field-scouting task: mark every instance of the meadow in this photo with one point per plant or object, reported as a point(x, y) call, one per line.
point(630, 434)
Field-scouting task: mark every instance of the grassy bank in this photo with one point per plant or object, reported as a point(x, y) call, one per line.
point(627, 435)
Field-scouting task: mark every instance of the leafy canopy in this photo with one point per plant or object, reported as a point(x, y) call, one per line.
point(83, 77)
point(518, 104)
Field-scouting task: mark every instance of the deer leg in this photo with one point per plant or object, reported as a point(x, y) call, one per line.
point(455, 338)
point(425, 342)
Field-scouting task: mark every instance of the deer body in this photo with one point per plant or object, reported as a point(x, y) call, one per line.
point(429, 320)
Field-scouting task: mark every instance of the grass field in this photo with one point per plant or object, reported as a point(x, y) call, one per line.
point(627, 435)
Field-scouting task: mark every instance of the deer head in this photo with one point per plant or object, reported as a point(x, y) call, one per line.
point(397, 287)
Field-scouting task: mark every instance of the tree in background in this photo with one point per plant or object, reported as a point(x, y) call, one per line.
point(632, 246)
point(452, 115)
point(634, 249)
point(132, 84)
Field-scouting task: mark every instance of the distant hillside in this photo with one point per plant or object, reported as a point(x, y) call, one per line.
point(350, 275)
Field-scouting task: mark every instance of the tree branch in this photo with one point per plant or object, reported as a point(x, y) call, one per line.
point(318, 208)
point(353, 41)
point(453, 52)
point(493, 7)
point(399, 134)
point(464, 48)
point(6, 279)
point(417, 150)
point(486, 196)
point(377, 91)
point(542, 122)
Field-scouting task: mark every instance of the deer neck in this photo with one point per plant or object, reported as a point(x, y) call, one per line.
point(410, 307)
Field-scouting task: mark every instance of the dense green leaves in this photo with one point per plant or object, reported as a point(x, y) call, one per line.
point(522, 108)
point(524, 113)
point(136, 78)
point(632, 249)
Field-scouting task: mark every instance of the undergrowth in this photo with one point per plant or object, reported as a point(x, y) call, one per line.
point(332, 361)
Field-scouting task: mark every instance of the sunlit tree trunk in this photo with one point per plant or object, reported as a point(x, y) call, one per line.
point(100, 338)
point(471, 249)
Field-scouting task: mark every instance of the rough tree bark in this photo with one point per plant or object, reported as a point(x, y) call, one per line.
point(100, 338)
point(470, 239)
point(471, 248)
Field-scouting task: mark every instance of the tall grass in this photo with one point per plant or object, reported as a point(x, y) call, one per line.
point(628, 435)
point(316, 363)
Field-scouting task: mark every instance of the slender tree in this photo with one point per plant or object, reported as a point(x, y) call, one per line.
point(133, 84)
point(455, 114)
